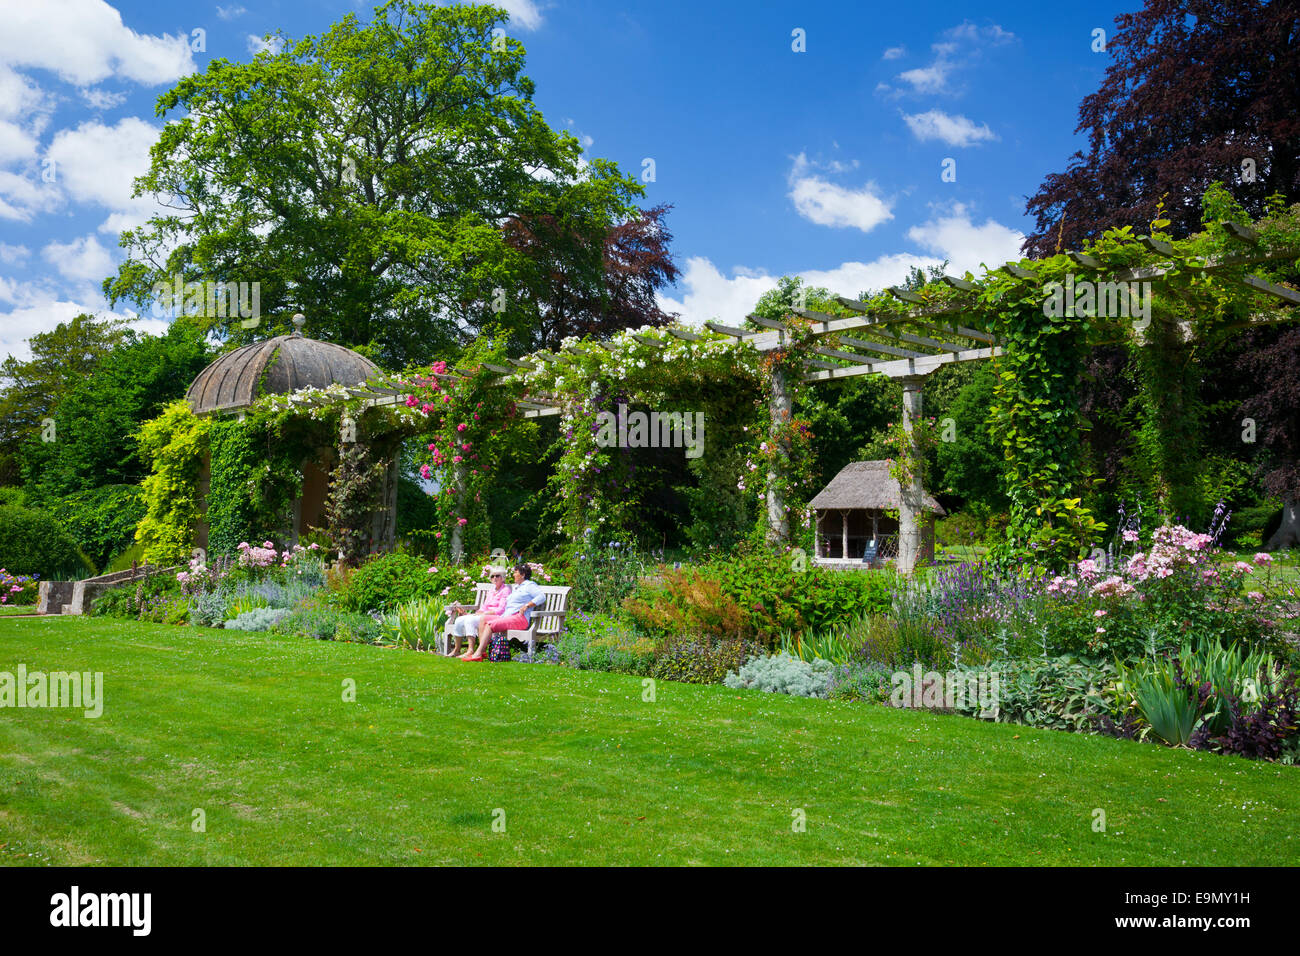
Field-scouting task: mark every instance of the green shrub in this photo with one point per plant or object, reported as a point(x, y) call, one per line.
point(898, 641)
point(328, 624)
point(357, 629)
point(858, 681)
point(156, 598)
point(838, 648)
point(760, 595)
point(416, 624)
point(1178, 695)
point(696, 659)
point(389, 581)
point(1061, 693)
point(102, 521)
point(688, 602)
point(34, 542)
point(321, 623)
point(783, 674)
point(607, 646)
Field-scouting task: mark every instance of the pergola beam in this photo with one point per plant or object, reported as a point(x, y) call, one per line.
point(904, 368)
point(1260, 285)
point(847, 356)
point(728, 330)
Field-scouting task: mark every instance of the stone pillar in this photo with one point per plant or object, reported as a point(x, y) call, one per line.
point(844, 535)
point(780, 407)
point(912, 495)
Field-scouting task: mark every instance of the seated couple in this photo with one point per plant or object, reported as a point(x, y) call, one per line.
point(504, 609)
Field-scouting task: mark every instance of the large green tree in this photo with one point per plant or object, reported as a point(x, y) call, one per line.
point(96, 420)
point(1197, 91)
point(30, 389)
point(367, 177)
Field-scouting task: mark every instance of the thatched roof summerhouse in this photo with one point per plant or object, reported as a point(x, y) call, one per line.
point(851, 521)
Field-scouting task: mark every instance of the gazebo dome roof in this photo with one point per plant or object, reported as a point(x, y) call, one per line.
point(277, 366)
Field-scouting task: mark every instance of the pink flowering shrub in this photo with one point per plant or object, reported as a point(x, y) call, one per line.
point(1153, 599)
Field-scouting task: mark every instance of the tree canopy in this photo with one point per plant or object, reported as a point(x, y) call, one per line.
point(1198, 91)
point(378, 178)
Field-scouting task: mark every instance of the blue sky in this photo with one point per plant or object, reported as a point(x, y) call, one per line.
point(825, 163)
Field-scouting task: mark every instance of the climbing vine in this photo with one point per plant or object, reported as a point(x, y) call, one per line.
point(468, 420)
point(597, 487)
point(175, 442)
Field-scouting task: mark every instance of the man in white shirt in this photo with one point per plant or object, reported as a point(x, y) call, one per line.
point(525, 598)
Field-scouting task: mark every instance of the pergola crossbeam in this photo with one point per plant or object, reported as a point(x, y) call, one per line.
point(905, 368)
point(1281, 292)
point(847, 356)
point(728, 330)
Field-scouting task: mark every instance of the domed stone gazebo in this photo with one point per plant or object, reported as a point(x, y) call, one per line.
point(277, 366)
point(281, 366)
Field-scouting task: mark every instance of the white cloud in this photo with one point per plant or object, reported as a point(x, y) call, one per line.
point(19, 95)
point(99, 164)
point(21, 197)
point(38, 309)
point(953, 236)
point(16, 144)
point(85, 42)
point(257, 44)
point(82, 260)
point(710, 295)
point(230, 12)
point(953, 130)
point(959, 47)
point(101, 99)
point(828, 204)
point(929, 79)
point(13, 255)
point(893, 53)
point(525, 13)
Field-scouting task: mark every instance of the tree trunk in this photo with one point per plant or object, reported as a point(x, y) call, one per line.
point(1287, 534)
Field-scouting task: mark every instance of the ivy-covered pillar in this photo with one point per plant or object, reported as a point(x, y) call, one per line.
point(911, 488)
point(780, 406)
point(458, 529)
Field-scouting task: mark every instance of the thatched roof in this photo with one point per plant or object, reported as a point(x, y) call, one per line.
point(865, 484)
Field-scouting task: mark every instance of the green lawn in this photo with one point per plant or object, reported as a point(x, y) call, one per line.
point(253, 730)
point(14, 609)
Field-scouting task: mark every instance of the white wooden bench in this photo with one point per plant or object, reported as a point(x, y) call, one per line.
point(547, 623)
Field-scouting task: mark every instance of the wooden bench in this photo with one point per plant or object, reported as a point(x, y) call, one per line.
point(547, 623)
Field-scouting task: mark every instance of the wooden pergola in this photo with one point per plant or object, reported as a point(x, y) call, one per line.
point(912, 344)
point(907, 345)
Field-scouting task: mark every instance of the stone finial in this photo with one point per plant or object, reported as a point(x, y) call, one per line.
point(299, 320)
